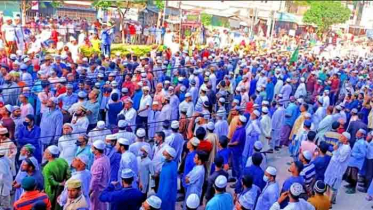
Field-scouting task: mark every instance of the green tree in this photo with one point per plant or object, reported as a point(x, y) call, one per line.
point(325, 14)
point(27, 4)
point(121, 6)
point(206, 19)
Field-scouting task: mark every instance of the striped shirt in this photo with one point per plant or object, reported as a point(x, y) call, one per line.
point(308, 174)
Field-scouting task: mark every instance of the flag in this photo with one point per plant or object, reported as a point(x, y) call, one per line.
point(294, 56)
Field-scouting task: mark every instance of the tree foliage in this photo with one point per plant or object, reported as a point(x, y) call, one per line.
point(325, 14)
point(118, 4)
point(159, 4)
point(206, 19)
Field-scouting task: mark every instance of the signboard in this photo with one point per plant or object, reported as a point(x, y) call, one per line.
point(291, 32)
point(370, 33)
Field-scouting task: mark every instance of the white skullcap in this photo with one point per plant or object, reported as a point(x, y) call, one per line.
point(256, 113)
point(221, 181)
point(193, 201)
point(242, 118)
point(123, 141)
point(175, 124)
point(195, 142)
point(265, 110)
point(296, 189)
point(236, 101)
point(221, 100)
point(154, 201)
point(83, 158)
point(362, 131)
point(54, 100)
point(122, 123)
point(171, 151)
point(127, 173)
point(347, 135)
point(146, 148)
point(258, 145)
point(188, 95)
point(111, 137)
point(271, 170)
point(307, 154)
point(53, 149)
point(288, 80)
point(9, 108)
point(265, 103)
point(141, 133)
point(302, 79)
point(307, 115)
point(99, 144)
point(100, 124)
point(210, 126)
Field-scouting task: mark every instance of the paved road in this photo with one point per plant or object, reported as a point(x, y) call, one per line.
point(344, 201)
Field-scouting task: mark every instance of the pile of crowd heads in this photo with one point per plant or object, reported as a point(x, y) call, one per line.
point(127, 132)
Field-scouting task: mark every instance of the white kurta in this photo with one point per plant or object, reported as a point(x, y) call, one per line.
point(67, 146)
point(266, 128)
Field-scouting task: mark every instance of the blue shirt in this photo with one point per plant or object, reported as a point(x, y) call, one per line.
point(221, 201)
point(94, 108)
point(358, 153)
point(115, 158)
point(123, 198)
point(189, 164)
point(238, 136)
point(68, 100)
point(136, 99)
point(291, 114)
point(257, 173)
point(113, 111)
point(321, 163)
point(105, 37)
point(167, 190)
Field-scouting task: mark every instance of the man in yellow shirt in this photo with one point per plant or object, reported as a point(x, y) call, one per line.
point(319, 200)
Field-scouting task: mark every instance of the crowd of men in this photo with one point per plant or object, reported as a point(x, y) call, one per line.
point(128, 132)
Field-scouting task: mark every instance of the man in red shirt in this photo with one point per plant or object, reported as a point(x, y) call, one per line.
point(204, 145)
point(334, 88)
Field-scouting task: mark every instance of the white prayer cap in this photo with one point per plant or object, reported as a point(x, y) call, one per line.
point(99, 144)
point(307, 154)
point(193, 201)
point(111, 137)
point(195, 142)
point(54, 100)
point(175, 124)
point(83, 158)
point(123, 141)
point(146, 148)
point(362, 131)
point(271, 170)
point(296, 189)
point(127, 173)
point(320, 100)
point(122, 123)
point(288, 80)
point(302, 79)
point(171, 151)
point(221, 100)
point(141, 133)
point(146, 88)
point(326, 91)
point(188, 95)
point(72, 38)
point(155, 103)
point(100, 124)
point(221, 181)
point(307, 115)
point(265, 103)
point(258, 145)
point(256, 113)
point(9, 108)
point(339, 108)
point(154, 201)
point(347, 135)
point(114, 83)
point(204, 88)
point(236, 101)
point(53, 149)
point(265, 110)
point(210, 126)
point(3, 131)
point(242, 118)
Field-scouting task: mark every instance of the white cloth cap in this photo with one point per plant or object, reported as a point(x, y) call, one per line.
point(9, 107)
point(307, 154)
point(100, 124)
point(265, 103)
point(188, 95)
point(140, 132)
point(258, 145)
point(99, 144)
point(221, 181)
point(175, 124)
point(122, 123)
point(127, 173)
point(256, 112)
point(171, 151)
point(210, 126)
point(193, 201)
point(221, 100)
point(265, 110)
point(154, 201)
point(111, 137)
point(362, 131)
point(271, 170)
point(347, 135)
point(146, 148)
point(296, 189)
point(123, 141)
point(83, 158)
point(53, 149)
point(242, 118)
point(236, 101)
point(195, 142)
